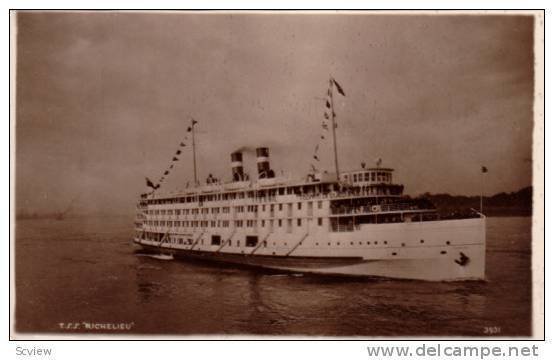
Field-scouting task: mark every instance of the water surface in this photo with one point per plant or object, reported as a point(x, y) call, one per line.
point(85, 270)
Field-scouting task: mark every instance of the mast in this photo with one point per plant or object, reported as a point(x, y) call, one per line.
point(481, 196)
point(333, 125)
point(194, 152)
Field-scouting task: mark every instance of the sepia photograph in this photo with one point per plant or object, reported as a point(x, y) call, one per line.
point(266, 174)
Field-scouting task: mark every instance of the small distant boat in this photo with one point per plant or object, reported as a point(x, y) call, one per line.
point(62, 214)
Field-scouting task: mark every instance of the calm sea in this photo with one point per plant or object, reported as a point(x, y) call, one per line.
point(83, 272)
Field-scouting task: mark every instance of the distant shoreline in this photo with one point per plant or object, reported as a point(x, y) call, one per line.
point(75, 216)
point(518, 203)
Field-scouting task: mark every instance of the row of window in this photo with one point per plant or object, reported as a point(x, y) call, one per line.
point(359, 242)
point(259, 194)
point(199, 223)
point(189, 241)
point(270, 195)
point(225, 223)
point(196, 211)
point(251, 241)
point(378, 176)
point(225, 209)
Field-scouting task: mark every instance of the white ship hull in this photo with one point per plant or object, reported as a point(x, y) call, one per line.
point(442, 250)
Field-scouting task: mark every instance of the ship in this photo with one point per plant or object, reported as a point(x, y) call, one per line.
point(338, 223)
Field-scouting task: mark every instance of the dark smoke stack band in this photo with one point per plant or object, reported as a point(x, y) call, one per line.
point(236, 166)
point(262, 159)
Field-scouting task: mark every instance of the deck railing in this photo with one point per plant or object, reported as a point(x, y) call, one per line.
point(347, 209)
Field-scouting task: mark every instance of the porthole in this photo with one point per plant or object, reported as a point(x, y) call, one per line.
point(448, 243)
point(377, 242)
point(338, 243)
point(394, 254)
point(385, 242)
point(443, 252)
point(316, 244)
point(351, 243)
point(403, 244)
point(422, 241)
point(329, 244)
point(369, 242)
point(360, 243)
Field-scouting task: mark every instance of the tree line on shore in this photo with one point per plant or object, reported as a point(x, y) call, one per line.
point(518, 203)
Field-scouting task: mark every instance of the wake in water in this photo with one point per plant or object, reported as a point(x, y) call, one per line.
point(287, 275)
point(157, 256)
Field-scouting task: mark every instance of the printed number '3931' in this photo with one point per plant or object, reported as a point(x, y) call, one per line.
point(492, 330)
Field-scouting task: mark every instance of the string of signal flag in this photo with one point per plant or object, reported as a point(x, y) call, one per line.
point(175, 158)
point(327, 115)
point(329, 112)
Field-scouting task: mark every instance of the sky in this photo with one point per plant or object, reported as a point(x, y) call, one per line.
point(104, 99)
